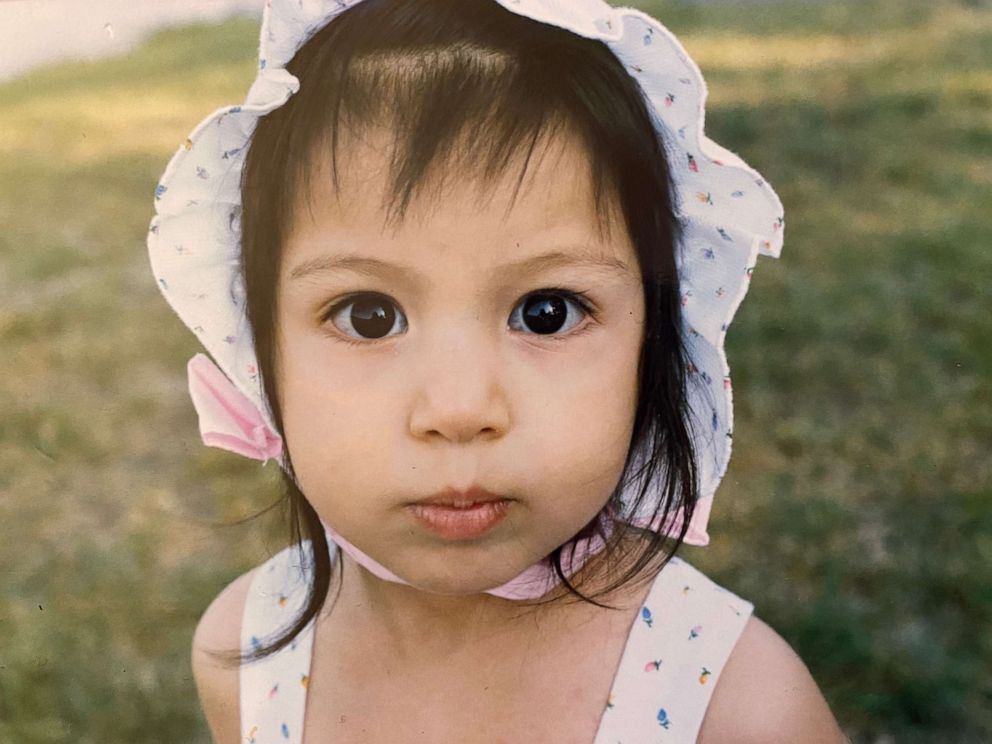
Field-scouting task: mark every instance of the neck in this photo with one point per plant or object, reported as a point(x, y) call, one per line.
point(415, 625)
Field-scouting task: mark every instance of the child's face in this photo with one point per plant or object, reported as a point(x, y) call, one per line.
point(459, 380)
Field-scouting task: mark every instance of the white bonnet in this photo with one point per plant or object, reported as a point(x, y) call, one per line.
point(730, 215)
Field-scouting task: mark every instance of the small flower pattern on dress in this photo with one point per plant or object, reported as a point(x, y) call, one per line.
point(680, 641)
point(646, 616)
point(695, 624)
point(274, 688)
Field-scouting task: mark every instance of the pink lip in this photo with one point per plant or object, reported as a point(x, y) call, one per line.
point(462, 499)
point(460, 523)
point(461, 515)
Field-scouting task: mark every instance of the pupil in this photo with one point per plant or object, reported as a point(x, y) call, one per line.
point(372, 318)
point(545, 313)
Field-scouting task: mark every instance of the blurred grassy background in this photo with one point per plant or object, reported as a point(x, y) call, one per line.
point(855, 514)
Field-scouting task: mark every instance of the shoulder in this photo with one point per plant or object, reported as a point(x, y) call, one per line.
point(766, 694)
point(219, 631)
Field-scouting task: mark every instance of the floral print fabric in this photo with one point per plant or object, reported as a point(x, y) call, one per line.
point(273, 690)
point(676, 649)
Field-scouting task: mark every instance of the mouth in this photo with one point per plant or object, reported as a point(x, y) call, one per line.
point(461, 515)
point(467, 499)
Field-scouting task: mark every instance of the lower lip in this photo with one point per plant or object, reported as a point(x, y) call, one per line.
point(460, 524)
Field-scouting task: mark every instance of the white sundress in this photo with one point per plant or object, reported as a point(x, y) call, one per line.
point(676, 649)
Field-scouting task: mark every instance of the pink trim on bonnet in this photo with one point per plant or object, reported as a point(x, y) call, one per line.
point(696, 534)
point(228, 419)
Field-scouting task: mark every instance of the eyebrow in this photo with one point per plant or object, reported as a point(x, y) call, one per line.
point(377, 267)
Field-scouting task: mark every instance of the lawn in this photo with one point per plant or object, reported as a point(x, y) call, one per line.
point(855, 513)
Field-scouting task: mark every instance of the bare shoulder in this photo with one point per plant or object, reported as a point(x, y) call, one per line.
point(766, 694)
point(219, 630)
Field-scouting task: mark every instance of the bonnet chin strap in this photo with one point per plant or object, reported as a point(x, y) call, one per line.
point(230, 421)
point(532, 583)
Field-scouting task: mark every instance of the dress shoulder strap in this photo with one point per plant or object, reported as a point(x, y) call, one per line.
point(679, 644)
point(273, 689)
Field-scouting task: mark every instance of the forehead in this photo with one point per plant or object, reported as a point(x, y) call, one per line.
point(548, 189)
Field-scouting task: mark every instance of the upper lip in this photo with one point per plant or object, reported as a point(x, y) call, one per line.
point(455, 497)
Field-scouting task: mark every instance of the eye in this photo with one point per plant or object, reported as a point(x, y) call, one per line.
point(372, 316)
point(546, 312)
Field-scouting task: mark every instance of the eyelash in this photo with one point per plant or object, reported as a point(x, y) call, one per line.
point(580, 298)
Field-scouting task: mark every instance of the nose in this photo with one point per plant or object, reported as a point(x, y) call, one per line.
point(459, 395)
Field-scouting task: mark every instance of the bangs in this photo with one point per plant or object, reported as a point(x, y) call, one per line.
point(471, 99)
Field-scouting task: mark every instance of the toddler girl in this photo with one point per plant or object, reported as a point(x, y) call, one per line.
point(466, 268)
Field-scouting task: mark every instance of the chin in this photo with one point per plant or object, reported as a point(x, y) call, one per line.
point(452, 577)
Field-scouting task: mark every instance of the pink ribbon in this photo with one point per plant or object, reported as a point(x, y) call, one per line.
point(228, 419)
point(696, 534)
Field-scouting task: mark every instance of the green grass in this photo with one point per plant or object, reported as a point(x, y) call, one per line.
point(855, 513)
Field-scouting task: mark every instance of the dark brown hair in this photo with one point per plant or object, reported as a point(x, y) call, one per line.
point(433, 71)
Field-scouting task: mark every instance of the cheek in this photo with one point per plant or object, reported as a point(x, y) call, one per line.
point(599, 391)
point(335, 423)
point(577, 433)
